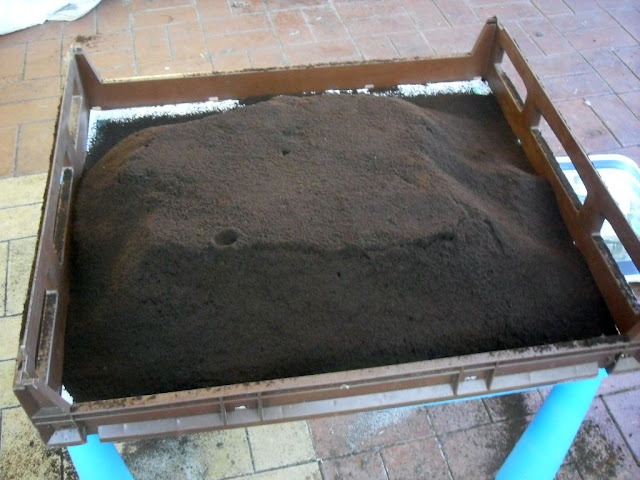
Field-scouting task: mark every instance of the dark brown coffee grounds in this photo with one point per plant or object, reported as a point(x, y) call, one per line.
point(317, 234)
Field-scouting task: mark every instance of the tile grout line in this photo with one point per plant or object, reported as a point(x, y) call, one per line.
point(378, 448)
point(306, 23)
point(620, 25)
point(162, 9)
point(253, 462)
point(541, 53)
point(574, 464)
point(444, 15)
point(317, 459)
point(615, 53)
point(482, 424)
point(15, 156)
point(568, 6)
point(135, 51)
point(313, 445)
point(599, 76)
point(554, 28)
point(540, 395)
point(486, 409)
point(268, 470)
point(582, 98)
point(248, 58)
point(393, 45)
point(440, 443)
point(35, 98)
point(421, 32)
point(565, 75)
point(6, 318)
point(491, 419)
point(62, 55)
point(229, 8)
point(199, 16)
point(622, 435)
point(16, 139)
point(319, 463)
point(24, 62)
point(615, 137)
point(384, 464)
point(9, 207)
point(301, 44)
point(413, 22)
point(446, 460)
point(275, 32)
point(350, 35)
point(132, 38)
point(579, 52)
point(533, 4)
point(27, 175)
point(242, 32)
point(8, 240)
point(481, 20)
point(622, 390)
point(204, 35)
point(6, 281)
point(168, 38)
point(98, 15)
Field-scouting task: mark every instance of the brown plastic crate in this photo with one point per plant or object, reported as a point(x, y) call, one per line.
point(40, 358)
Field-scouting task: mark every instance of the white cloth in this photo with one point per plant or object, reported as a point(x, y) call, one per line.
point(18, 14)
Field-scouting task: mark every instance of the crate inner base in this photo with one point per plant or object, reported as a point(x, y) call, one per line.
point(307, 235)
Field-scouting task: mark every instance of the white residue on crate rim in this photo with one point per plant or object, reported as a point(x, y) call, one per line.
point(476, 86)
point(470, 87)
point(211, 106)
point(338, 92)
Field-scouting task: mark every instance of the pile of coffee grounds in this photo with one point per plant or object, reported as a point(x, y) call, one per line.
point(303, 235)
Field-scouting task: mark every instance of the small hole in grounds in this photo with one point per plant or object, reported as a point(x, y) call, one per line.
point(226, 237)
point(285, 152)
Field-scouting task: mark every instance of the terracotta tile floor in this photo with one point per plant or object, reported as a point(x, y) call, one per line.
point(587, 54)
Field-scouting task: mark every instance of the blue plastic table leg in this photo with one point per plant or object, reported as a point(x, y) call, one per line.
point(98, 461)
point(541, 450)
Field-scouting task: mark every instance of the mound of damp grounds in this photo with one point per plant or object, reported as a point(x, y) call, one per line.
point(303, 235)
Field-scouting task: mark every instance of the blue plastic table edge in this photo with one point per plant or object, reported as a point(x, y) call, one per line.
point(544, 444)
point(538, 454)
point(98, 461)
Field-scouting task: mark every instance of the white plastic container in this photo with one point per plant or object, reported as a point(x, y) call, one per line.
point(621, 175)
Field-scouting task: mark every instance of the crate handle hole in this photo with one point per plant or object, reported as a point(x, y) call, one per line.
point(62, 212)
